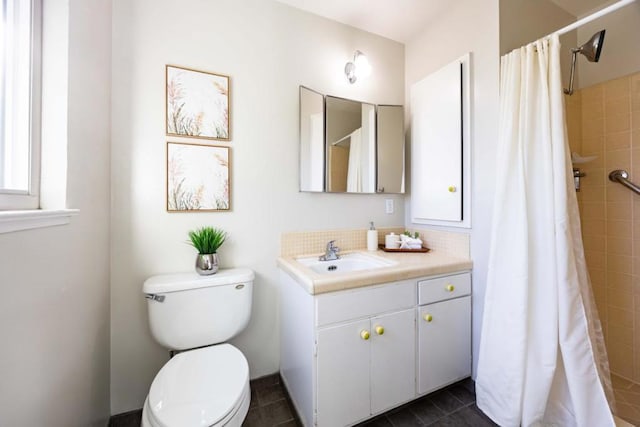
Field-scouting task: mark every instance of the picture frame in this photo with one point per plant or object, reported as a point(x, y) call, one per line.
point(197, 104)
point(198, 177)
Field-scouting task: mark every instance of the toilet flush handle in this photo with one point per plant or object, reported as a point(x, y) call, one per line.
point(154, 297)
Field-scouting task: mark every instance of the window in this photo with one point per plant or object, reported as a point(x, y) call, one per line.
point(20, 89)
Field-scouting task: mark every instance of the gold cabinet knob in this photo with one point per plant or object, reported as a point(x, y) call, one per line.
point(364, 334)
point(452, 189)
point(428, 317)
point(450, 287)
point(379, 330)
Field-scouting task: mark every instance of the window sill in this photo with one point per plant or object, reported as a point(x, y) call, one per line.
point(11, 221)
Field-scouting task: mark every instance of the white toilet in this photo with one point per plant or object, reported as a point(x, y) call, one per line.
point(206, 386)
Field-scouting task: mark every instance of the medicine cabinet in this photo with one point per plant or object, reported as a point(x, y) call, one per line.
point(440, 147)
point(348, 146)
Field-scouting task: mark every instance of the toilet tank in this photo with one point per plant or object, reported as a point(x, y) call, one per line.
point(187, 310)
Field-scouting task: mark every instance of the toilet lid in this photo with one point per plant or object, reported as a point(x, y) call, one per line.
point(199, 387)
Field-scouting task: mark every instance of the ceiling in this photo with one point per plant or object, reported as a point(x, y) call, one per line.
point(580, 8)
point(400, 20)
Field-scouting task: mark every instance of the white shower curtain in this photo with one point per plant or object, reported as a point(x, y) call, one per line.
point(354, 168)
point(542, 359)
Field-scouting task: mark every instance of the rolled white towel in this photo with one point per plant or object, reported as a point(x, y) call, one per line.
point(407, 242)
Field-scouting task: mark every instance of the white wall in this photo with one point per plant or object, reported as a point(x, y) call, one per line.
point(268, 49)
point(468, 26)
point(524, 21)
point(619, 56)
point(54, 310)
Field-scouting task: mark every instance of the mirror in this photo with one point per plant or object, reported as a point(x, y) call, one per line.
point(350, 145)
point(311, 140)
point(390, 132)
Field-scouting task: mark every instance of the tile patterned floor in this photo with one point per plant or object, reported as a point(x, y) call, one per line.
point(627, 399)
point(270, 407)
point(453, 406)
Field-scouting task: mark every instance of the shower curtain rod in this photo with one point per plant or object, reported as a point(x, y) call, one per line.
point(602, 12)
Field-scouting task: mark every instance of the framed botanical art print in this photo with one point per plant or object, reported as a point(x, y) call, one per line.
point(197, 177)
point(197, 104)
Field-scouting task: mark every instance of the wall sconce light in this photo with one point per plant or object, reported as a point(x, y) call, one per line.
point(359, 68)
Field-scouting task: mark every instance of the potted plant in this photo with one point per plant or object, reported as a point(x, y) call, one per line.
point(207, 240)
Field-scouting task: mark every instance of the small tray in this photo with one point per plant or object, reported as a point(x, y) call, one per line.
point(422, 250)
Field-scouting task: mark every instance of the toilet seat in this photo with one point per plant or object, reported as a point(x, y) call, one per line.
point(204, 387)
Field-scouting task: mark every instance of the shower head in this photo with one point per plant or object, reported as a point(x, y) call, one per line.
point(591, 50)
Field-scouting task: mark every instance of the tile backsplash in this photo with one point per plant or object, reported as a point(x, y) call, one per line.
point(312, 242)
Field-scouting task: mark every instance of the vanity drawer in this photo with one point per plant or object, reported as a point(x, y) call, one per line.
point(353, 304)
point(444, 288)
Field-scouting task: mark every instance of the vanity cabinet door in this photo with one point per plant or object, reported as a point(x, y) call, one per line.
point(393, 372)
point(444, 343)
point(343, 374)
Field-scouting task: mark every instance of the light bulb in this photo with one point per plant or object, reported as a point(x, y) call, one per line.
point(363, 68)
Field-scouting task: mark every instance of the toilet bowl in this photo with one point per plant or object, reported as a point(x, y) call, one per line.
point(203, 387)
point(206, 384)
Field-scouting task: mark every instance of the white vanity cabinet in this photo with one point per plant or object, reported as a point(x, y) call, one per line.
point(365, 367)
point(444, 331)
point(349, 355)
point(365, 348)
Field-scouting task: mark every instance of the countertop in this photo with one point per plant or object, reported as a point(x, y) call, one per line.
point(408, 266)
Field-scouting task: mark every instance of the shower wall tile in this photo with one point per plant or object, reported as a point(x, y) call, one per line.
point(619, 211)
point(618, 123)
point(594, 242)
point(620, 159)
point(592, 210)
point(596, 259)
point(620, 281)
point(619, 264)
point(610, 213)
point(621, 335)
point(617, 88)
point(594, 227)
point(593, 127)
point(617, 106)
point(618, 141)
point(591, 193)
point(617, 193)
point(635, 92)
point(592, 111)
point(598, 276)
point(619, 228)
point(592, 144)
point(620, 299)
point(597, 176)
point(619, 246)
point(636, 373)
point(635, 149)
point(620, 317)
point(574, 121)
point(635, 119)
point(621, 359)
point(592, 94)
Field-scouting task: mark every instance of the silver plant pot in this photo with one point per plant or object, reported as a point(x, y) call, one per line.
point(207, 264)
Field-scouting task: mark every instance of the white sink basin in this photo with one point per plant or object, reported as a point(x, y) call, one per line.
point(346, 263)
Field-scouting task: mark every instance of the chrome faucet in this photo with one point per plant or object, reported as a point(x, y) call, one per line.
point(331, 252)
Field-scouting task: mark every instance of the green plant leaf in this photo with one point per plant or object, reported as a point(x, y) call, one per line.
point(207, 240)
